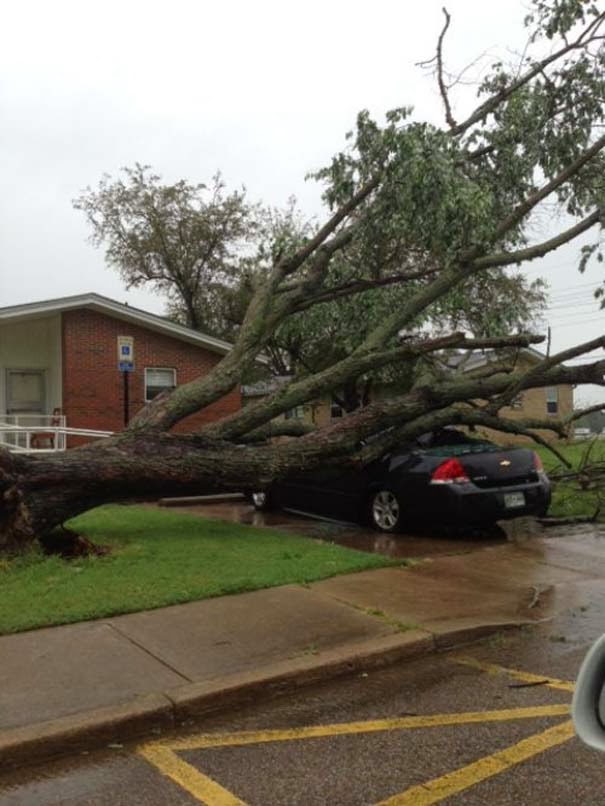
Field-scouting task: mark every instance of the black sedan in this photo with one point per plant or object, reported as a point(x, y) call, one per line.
point(445, 478)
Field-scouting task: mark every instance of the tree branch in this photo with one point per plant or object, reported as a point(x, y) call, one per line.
point(496, 342)
point(542, 193)
point(494, 101)
point(358, 286)
point(576, 415)
point(541, 249)
point(442, 88)
point(455, 415)
point(525, 427)
point(359, 362)
point(290, 265)
point(425, 403)
point(285, 428)
point(526, 380)
point(309, 388)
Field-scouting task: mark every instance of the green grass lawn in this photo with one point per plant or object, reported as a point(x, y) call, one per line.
point(569, 499)
point(160, 558)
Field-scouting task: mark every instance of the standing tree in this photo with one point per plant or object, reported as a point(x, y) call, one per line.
point(184, 240)
point(457, 202)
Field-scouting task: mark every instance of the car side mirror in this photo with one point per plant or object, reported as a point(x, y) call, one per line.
point(586, 705)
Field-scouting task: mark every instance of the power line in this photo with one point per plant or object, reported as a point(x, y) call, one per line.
point(583, 322)
point(571, 305)
point(579, 295)
point(571, 298)
point(576, 286)
point(563, 315)
point(563, 319)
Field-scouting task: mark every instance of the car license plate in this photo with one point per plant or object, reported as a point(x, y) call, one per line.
point(514, 500)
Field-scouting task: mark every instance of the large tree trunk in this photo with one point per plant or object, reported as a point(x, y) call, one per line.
point(39, 493)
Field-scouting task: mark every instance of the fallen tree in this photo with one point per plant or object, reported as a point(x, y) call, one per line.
point(449, 211)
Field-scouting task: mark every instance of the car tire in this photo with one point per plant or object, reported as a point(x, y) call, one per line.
point(261, 500)
point(385, 510)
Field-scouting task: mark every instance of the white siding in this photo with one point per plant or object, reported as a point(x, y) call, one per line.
point(33, 344)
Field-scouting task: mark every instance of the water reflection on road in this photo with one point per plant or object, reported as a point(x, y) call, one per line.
point(418, 544)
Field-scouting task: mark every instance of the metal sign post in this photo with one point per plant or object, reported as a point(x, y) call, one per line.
point(126, 399)
point(125, 366)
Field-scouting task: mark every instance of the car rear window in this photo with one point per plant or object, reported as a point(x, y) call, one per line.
point(461, 450)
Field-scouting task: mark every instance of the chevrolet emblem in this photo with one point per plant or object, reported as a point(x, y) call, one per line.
point(504, 463)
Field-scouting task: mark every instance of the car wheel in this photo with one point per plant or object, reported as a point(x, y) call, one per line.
point(261, 501)
point(385, 511)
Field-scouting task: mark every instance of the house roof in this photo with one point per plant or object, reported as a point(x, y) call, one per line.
point(480, 358)
point(118, 310)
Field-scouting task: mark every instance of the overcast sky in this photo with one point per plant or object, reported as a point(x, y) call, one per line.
point(263, 91)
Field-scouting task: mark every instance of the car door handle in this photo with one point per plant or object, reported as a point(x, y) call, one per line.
point(587, 695)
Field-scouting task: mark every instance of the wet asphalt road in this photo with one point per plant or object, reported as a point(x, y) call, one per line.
point(364, 766)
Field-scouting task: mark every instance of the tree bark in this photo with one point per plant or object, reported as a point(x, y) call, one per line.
point(38, 493)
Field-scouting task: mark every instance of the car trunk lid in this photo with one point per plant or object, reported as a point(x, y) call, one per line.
point(490, 466)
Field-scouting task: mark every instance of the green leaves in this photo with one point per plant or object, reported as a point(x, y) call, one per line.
point(186, 240)
point(552, 18)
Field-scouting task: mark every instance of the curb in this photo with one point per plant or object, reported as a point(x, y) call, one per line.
point(86, 730)
point(153, 714)
point(198, 699)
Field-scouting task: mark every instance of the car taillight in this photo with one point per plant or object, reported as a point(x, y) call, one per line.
point(449, 472)
point(537, 463)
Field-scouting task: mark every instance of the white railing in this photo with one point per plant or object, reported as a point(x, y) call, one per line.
point(40, 433)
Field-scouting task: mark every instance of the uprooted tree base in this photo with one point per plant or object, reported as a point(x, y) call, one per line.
point(70, 546)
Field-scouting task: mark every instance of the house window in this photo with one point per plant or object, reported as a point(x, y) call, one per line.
point(156, 380)
point(336, 410)
point(552, 400)
point(297, 413)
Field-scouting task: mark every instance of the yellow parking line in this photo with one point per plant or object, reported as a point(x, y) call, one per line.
point(526, 677)
point(453, 782)
point(241, 738)
point(200, 786)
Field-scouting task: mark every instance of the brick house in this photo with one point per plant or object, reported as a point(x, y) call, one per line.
point(61, 356)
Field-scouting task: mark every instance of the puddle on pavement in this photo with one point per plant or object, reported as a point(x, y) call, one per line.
point(412, 545)
point(417, 544)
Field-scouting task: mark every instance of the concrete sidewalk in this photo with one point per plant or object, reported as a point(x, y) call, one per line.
point(91, 683)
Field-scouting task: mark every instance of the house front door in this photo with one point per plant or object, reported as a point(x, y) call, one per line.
point(25, 391)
